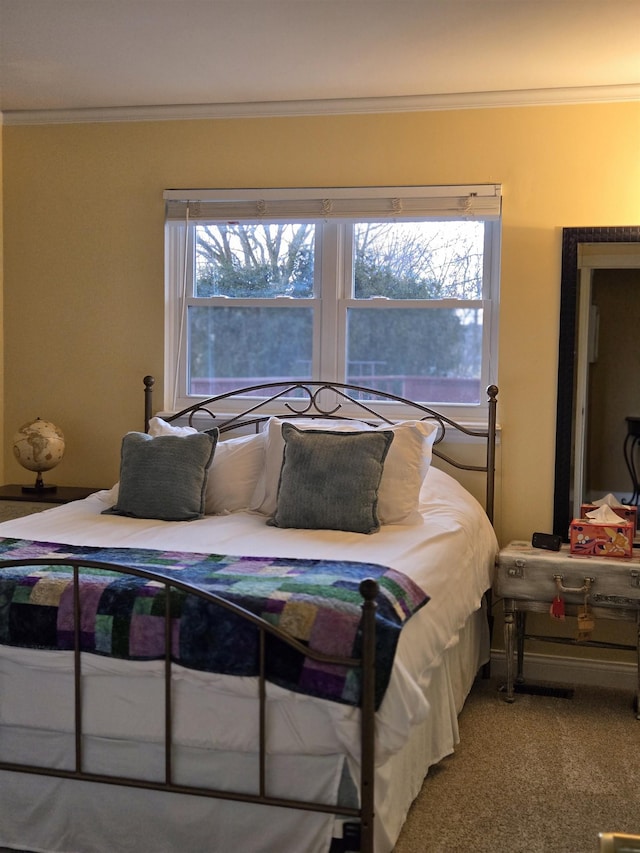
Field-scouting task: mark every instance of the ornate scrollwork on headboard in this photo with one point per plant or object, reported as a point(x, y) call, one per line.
point(303, 398)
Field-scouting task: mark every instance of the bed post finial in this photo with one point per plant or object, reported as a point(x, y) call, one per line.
point(492, 394)
point(149, 382)
point(369, 589)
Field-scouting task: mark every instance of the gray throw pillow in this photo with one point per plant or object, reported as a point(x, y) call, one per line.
point(329, 480)
point(164, 476)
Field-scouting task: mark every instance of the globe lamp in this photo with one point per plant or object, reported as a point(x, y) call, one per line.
point(38, 446)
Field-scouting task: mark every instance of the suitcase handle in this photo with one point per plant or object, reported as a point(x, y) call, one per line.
point(585, 588)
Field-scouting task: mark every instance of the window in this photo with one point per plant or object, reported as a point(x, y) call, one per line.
point(395, 289)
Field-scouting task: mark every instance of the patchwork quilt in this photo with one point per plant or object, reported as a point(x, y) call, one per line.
point(315, 601)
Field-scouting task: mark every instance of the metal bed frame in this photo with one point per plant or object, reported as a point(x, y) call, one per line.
point(299, 399)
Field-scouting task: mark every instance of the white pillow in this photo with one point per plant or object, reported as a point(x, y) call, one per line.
point(158, 426)
point(404, 469)
point(233, 475)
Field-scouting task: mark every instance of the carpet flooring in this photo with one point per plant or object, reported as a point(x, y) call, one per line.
point(544, 775)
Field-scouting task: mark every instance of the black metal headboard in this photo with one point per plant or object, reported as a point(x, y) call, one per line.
point(303, 398)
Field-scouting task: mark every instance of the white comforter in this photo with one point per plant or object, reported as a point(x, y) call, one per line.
point(450, 555)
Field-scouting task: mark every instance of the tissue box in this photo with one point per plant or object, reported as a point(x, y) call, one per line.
point(589, 538)
point(628, 513)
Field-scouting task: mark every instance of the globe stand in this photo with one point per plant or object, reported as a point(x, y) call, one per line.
point(39, 488)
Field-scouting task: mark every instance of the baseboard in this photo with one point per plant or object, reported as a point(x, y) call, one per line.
point(557, 669)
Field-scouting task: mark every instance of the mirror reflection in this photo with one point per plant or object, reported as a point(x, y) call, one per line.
point(598, 412)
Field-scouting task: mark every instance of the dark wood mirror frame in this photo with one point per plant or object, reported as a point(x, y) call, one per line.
point(571, 238)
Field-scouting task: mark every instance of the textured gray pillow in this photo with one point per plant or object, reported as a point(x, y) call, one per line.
point(329, 480)
point(164, 477)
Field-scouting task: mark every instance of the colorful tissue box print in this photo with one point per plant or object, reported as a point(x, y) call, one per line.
point(589, 539)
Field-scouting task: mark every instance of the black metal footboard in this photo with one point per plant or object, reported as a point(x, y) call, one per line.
point(364, 815)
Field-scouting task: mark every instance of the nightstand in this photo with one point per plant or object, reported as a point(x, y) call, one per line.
point(16, 503)
point(529, 579)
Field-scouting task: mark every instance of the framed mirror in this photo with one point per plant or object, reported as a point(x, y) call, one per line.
point(570, 406)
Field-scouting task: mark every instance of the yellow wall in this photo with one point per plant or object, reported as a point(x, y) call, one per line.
point(83, 257)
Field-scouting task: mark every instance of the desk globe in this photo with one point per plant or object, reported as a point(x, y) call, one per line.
point(38, 446)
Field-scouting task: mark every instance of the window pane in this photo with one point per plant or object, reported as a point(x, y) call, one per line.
point(419, 260)
point(232, 347)
point(254, 260)
point(434, 355)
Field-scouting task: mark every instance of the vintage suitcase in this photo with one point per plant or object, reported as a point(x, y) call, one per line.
point(532, 574)
point(558, 582)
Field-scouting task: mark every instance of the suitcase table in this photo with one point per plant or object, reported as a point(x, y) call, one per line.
point(533, 579)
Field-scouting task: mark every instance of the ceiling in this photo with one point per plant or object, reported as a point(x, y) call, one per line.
point(70, 55)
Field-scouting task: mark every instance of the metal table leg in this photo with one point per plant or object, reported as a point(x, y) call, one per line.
point(637, 699)
point(509, 610)
point(521, 625)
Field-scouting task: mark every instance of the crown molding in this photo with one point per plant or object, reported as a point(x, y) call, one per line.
point(333, 106)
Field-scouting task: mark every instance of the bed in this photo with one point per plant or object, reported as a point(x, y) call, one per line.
point(151, 699)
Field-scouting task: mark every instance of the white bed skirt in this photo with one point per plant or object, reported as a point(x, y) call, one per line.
point(65, 816)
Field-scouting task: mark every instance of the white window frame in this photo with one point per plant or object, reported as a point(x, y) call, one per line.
point(332, 269)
